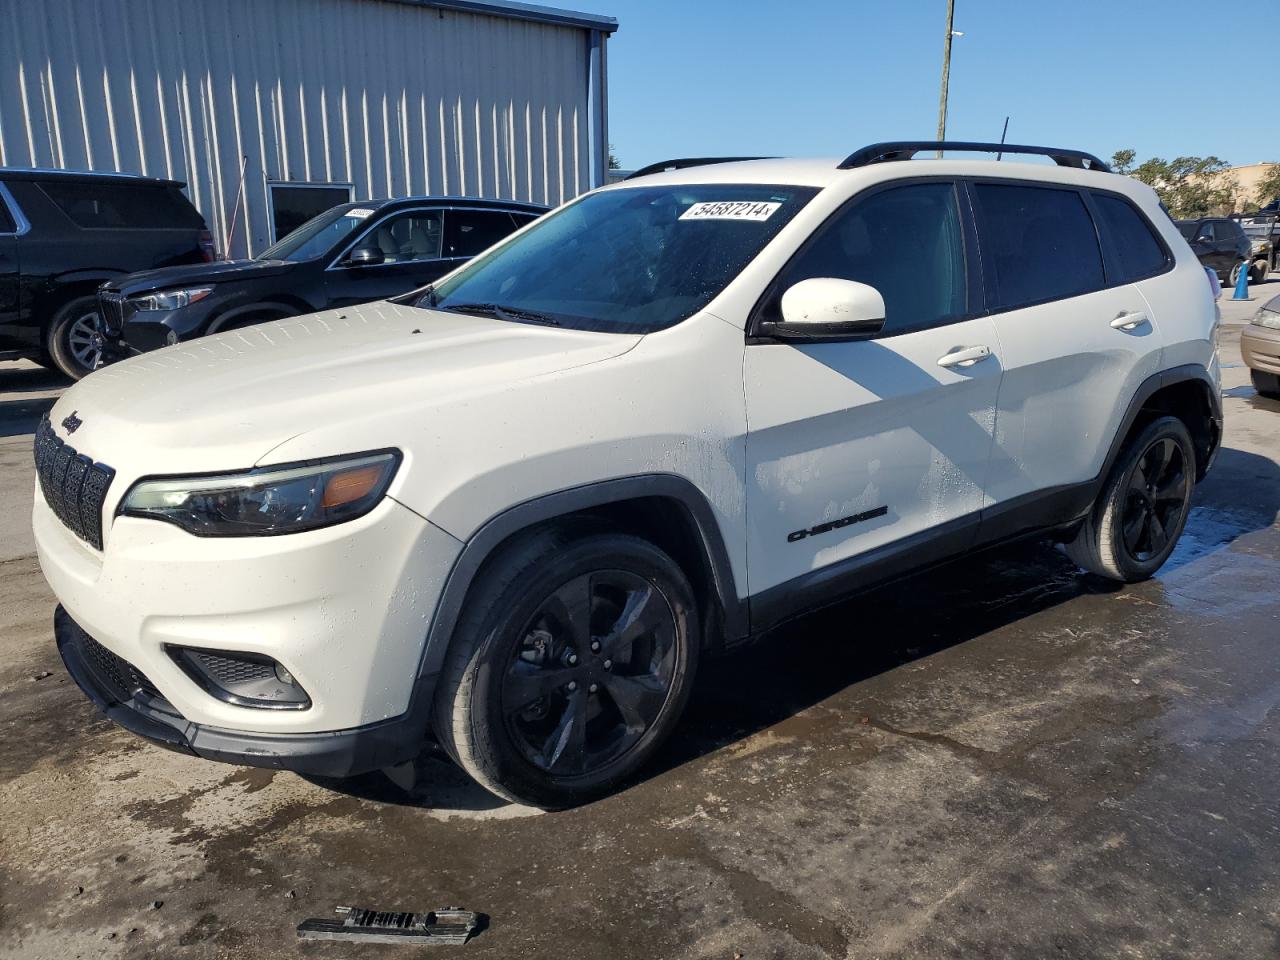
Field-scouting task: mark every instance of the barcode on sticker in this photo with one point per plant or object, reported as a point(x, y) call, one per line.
point(731, 210)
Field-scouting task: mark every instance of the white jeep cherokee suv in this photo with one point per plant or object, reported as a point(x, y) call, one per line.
point(511, 511)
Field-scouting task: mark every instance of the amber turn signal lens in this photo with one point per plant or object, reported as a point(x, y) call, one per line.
point(351, 485)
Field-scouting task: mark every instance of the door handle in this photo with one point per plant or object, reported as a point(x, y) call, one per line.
point(964, 356)
point(1130, 321)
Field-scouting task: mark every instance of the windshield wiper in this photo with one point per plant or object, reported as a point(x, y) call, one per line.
point(498, 311)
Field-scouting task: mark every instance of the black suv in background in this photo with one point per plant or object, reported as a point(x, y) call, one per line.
point(353, 253)
point(62, 234)
point(1219, 243)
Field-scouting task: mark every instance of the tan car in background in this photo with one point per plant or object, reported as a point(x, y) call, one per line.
point(1260, 345)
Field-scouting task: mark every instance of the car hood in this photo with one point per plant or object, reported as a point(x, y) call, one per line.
point(197, 273)
point(224, 402)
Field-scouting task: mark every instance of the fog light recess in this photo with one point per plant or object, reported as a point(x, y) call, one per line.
point(245, 679)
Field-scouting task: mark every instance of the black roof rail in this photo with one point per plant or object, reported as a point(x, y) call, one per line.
point(906, 149)
point(684, 162)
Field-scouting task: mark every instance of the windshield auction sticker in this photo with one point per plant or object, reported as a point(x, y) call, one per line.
point(731, 210)
point(360, 212)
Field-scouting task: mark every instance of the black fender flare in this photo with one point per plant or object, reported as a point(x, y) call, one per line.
point(1187, 373)
point(481, 545)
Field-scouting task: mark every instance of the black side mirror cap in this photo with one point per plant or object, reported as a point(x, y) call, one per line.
point(365, 257)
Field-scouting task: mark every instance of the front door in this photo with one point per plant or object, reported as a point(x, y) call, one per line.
point(409, 244)
point(860, 450)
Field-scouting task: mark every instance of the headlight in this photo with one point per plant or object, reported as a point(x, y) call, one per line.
point(170, 299)
point(1267, 318)
point(268, 501)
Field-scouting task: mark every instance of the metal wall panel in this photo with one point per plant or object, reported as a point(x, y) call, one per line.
point(395, 98)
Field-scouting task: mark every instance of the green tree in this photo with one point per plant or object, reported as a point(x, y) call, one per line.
point(614, 163)
point(1188, 186)
point(1268, 187)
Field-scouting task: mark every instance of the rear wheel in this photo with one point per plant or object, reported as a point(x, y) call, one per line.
point(572, 663)
point(1267, 384)
point(1136, 521)
point(75, 345)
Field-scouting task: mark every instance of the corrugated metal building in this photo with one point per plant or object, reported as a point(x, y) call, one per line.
point(327, 99)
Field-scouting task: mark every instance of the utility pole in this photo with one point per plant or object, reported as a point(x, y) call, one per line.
point(946, 73)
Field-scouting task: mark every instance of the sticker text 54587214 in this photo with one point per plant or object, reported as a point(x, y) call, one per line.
point(731, 210)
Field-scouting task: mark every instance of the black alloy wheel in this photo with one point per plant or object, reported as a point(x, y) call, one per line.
point(571, 662)
point(591, 672)
point(1158, 492)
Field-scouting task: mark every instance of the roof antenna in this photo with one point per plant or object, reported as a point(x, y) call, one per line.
point(1003, 134)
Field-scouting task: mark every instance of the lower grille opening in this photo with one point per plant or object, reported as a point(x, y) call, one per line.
point(121, 678)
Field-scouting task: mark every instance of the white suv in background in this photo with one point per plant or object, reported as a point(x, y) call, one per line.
point(513, 510)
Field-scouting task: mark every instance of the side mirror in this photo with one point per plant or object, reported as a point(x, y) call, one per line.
point(364, 257)
point(828, 309)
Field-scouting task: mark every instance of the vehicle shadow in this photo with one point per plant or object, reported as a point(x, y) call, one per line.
point(818, 655)
point(16, 379)
point(20, 417)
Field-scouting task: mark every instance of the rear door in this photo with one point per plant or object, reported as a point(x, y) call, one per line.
point(1076, 335)
point(469, 232)
point(857, 446)
point(409, 241)
point(10, 288)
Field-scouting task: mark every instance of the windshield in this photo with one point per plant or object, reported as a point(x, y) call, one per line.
point(627, 260)
point(318, 235)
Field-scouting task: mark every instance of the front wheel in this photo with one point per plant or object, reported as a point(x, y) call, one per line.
point(1267, 384)
point(573, 661)
point(1136, 521)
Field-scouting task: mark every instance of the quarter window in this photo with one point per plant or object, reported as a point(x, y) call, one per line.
point(101, 205)
point(6, 220)
point(1137, 251)
point(1039, 243)
point(907, 242)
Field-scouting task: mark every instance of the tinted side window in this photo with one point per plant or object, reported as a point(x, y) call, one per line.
point(1136, 248)
point(1206, 232)
point(1229, 230)
point(907, 242)
point(6, 219)
point(468, 232)
point(123, 205)
point(1038, 242)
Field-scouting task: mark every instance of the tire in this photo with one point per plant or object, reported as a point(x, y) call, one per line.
point(1257, 272)
point(1131, 503)
point(1234, 276)
point(1267, 384)
point(514, 643)
point(73, 343)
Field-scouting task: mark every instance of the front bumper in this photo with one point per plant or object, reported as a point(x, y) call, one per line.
point(345, 609)
point(1260, 348)
point(339, 753)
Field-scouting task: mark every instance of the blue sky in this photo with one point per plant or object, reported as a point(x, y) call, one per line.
point(821, 77)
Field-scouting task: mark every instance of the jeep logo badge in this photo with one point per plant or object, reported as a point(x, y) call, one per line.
point(71, 423)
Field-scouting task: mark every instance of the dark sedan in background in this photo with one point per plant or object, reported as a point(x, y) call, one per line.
point(353, 253)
